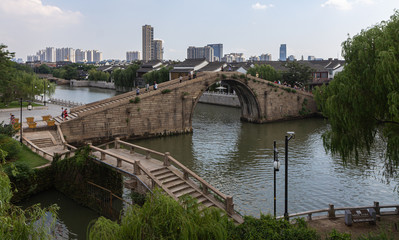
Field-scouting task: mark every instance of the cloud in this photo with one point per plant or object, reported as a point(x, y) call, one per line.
point(346, 4)
point(33, 12)
point(258, 6)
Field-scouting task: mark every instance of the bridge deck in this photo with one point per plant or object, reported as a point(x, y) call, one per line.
point(169, 178)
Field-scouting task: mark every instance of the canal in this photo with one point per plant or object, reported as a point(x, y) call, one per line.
point(237, 158)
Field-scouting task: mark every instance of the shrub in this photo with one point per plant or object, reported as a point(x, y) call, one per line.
point(11, 146)
point(135, 100)
point(165, 91)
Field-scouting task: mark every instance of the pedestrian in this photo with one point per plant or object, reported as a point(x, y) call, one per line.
point(65, 113)
point(147, 87)
point(180, 78)
point(155, 86)
point(62, 112)
point(194, 75)
point(189, 76)
point(12, 119)
point(137, 91)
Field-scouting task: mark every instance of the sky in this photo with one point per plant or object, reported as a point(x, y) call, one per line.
point(252, 27)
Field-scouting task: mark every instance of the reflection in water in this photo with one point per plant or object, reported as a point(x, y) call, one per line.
point(73, 218)
point(237, 158)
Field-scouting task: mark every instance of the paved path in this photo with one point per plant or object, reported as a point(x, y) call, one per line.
point(36, 112)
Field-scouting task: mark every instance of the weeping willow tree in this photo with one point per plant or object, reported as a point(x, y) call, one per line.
point(161, 217)
point(16, 223)
point(363, 100)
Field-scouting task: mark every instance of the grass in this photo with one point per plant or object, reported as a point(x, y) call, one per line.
point(30, 158)
point(16, 104)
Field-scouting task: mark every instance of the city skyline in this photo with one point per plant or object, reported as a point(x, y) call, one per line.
point(312, 28)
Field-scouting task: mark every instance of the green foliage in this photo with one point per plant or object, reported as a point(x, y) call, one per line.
point(95, 75)
point(17, 83)
point(297, 74)
point(266, 72)
point(135, 100)
point(11, 146)
point(43, 69)
point(159, 76)
point(161, 217)
point(126, 78)
point(266, 227)
point(71, 71)
point(234, 76)
point(224, 76)
point(16, 223)
point(363, 99)
point(334, 235)
point(165, 91)
point(7, 130)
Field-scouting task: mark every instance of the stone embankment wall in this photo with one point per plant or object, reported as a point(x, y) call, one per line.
point(86, 83)
point(224, 99)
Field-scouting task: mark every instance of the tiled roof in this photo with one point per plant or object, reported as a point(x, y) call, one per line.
point(190, 62)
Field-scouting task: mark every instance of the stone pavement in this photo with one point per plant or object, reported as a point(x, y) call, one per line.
point(36, 112)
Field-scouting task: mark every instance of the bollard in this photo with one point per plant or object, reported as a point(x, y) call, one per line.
point(229, 205)
point(117, 145)
point(331, 211)
point(166, 161)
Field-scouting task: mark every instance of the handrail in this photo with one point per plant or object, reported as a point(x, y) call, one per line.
point(135, 164)
point(332, 210)
point(37, 149)
point(169, 159)
point(121, 170)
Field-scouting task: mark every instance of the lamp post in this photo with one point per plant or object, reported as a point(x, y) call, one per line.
point(20, 127)
point(44, 91)
point(276, 167)
point(287, 138)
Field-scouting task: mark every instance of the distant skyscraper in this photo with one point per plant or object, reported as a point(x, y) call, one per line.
point(217, 50)
point(265, 57)
point(50, 54)
point(283, 52)
point(97, 56)
point(148, 37)
point(206, 52)
point(132, 56)
point(157, 50)
point(80, 55)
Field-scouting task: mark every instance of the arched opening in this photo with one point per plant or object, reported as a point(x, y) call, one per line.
point(250, 109)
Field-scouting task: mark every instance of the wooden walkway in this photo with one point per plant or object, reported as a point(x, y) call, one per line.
point(168, 174)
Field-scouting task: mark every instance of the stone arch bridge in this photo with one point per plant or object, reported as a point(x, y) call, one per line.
point(170, 108)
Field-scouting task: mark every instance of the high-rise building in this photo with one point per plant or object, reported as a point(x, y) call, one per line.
point(97, 56)
point(50, 54)
point(148, 37)
point(283, 52)
point(157, 50)
point(200, 52)
point(265, 57)
point(89, 55)
point(80, 55)
point(132, 56)
point(217, 51)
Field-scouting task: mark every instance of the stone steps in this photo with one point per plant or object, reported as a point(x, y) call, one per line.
point(42, 143)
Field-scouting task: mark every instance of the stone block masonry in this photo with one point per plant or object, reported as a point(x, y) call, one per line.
point(169, 110)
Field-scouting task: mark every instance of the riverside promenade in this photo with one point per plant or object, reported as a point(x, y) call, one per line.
point(36, 112)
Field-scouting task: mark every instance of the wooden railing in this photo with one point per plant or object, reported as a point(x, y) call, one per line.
point(331, 210)
point(227, 201)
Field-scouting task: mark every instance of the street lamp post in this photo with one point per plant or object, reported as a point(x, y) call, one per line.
point(276, 167)
point(20, 122)
point(44, 91)
point(287, 138)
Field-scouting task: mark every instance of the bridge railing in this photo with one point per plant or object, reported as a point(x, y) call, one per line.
point(47, 155)
point(227, 201)
point(138, 168)
point(332, 211)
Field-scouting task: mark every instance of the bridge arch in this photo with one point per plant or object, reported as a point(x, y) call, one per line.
point(250, 107)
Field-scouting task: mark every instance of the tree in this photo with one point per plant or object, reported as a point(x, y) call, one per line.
point(159, 76)
point(126, 78)
point(297, 74)
point(44, 69)
point(266, 72)
point(363, 100)
point(95, 75)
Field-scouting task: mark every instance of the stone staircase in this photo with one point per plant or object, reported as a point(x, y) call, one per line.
point(43, 142)
point(179, 187)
